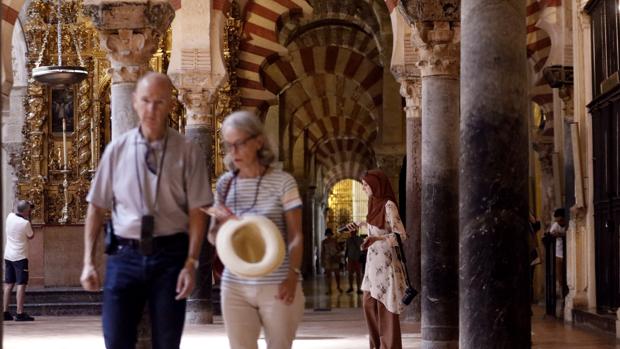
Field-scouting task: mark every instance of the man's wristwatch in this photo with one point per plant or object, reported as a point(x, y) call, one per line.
point(193, 261)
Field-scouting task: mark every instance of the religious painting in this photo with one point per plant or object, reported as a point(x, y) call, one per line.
point(62, 107)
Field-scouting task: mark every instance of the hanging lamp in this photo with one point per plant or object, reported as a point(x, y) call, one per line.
point(59, 75)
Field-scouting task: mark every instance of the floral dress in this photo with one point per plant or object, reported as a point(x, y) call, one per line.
point(384, 276)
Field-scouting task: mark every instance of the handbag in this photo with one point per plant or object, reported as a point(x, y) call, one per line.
point(410, 292)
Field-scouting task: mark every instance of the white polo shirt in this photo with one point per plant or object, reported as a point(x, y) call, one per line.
point(123, 183)
point(18, 231)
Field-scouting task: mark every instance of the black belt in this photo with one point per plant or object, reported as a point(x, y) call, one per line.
point(158, 241)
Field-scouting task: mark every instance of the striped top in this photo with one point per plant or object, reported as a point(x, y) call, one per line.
point(278, 193)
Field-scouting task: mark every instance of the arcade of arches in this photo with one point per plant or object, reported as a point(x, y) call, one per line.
point(474, 125)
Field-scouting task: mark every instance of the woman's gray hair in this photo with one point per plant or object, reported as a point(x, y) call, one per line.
point(251, 125)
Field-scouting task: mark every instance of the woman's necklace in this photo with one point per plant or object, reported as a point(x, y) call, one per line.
point(260, 179)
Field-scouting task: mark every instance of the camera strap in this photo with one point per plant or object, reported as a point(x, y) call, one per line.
point(151, 206)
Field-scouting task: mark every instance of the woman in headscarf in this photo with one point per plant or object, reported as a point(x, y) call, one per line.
point(384, 279)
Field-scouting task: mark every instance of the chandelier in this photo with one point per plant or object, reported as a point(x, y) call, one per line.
point(59, 75)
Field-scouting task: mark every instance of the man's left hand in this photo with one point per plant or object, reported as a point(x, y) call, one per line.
point(186, 282)
point(287, 288)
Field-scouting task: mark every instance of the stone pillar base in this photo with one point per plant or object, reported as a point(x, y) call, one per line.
point(573, 301)
point(199, 311)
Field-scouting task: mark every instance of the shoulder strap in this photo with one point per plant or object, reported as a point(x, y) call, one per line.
point(227, 187)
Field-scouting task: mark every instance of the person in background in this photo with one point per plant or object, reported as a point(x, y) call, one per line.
point(353, 254)
point(18, 231)
point(330, 260)
point(558, 230)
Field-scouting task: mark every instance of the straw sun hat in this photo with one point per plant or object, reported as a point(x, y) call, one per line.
point(251, 246)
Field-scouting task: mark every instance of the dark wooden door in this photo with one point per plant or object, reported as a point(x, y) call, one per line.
point(605, 134)
point(605, 112)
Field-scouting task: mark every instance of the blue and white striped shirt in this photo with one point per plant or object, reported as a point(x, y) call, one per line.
point(278, 193)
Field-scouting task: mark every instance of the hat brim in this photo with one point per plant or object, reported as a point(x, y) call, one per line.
point(260, 237)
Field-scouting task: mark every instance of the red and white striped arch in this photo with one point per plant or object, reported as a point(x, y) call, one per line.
point(325, 65)
point(539, 46)
point(260, 41)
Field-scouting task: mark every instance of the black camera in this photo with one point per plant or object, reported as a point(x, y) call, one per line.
point(410, 294)
point(146, 235)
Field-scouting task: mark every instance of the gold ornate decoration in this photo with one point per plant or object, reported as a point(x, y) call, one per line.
point(228, 97)
point(39, 164)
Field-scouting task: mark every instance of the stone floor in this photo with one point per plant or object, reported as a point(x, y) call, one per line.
point(331, 321)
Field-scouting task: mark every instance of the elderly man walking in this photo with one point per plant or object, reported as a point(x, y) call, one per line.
point(18, 232)
point(155, 182)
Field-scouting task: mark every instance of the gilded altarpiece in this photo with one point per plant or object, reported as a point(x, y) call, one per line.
point(41, 165)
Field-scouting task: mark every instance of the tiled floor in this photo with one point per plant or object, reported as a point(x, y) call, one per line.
point(330, 322)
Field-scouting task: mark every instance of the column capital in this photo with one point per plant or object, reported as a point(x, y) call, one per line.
point(130, 32)
point(405, 72)
point(197, 90)
point(390, 163)
point(411, 90)
point(561, 77)
point(437, 45)
point(416, 11)
point(543, 146)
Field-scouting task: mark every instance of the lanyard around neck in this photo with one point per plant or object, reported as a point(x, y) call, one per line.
point(153, 207)
point(260, 179)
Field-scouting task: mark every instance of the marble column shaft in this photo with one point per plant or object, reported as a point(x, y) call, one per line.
point(411, 90)
point(199, 129)
point(494, 253)
point(438, 48)
point(439, 223)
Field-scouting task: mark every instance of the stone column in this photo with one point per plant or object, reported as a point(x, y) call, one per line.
point(543, 146)
point(308, 228)
point(198, 102)
point(437, 45)
point(129, 32)
point(197, 69)
point(411, 90)
point(494, 275)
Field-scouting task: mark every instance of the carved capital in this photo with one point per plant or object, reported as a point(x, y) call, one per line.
point(437, 44)
point(566, 94)
point(197, 91)
point(584, 20)
point(415, 11)
point(129, 32)
point(544, 148)
point(405, 71)
point(411, 90)
point(111, 15)
point(390, 163)
point(198, 105)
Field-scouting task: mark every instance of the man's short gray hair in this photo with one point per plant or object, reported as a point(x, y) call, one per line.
point(251, 125)
point(22, 206)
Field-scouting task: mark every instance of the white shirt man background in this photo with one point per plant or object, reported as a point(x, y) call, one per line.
point(18, 232)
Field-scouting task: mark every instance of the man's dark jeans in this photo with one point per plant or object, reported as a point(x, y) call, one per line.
point(133, 280)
